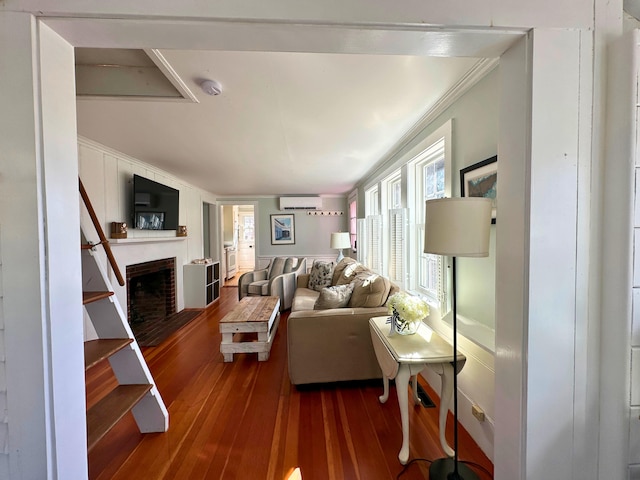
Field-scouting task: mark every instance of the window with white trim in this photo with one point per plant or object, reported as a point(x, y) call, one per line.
point(398, 246)
point(429, 172)
point(353, 214)
point(392, 234)
point(372, 203)
point(390, 199)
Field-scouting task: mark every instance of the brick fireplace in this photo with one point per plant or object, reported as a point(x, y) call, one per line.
point(151, 290)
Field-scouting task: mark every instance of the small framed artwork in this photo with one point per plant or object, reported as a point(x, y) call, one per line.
point(150, 220)
point(481, 180)
point(283, 229)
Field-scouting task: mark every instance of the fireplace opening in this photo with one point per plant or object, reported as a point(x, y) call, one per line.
point(151, 291)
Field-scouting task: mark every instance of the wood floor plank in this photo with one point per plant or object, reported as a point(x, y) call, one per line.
point(244, 419)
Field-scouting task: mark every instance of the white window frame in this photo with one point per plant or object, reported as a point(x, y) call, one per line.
point(352, 206)
point(374, 237)
point(417, 196)
point(372, 201)
point(387, 203)
point(399, 246)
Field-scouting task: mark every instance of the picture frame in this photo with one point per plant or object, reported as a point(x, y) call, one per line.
point(481, 180)
point(150, 220)
point(283, 229)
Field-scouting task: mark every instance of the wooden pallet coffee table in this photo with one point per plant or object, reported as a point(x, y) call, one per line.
point(259, 315)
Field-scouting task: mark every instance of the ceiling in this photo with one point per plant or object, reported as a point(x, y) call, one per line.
point(285, 123)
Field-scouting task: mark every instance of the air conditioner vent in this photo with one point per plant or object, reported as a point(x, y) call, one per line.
point(300, 203)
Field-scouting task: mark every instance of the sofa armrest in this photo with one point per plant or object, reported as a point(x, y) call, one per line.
point(283, 286)
point(248, 278)
point(331, 345)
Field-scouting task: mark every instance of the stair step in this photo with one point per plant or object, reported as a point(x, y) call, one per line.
point(108, 411)
point(97, 350)
point(88, 297)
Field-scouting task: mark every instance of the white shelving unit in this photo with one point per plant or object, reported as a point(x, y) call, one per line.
point(201, 284)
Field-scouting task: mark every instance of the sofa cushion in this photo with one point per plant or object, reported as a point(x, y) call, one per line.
point(339, 268)
point(261, 287)
point(321, 275)
point(370, 290)
point(304, 299)
point(336, 296)
point(349, 272)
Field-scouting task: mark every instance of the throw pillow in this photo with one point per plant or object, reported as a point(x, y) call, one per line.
point(370, 290)
point(334, 297)
point(349, 273)
point(342, 264)
point(321, 275)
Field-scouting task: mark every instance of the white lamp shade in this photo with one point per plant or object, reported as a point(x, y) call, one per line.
point(340, 240)
point(458, 226)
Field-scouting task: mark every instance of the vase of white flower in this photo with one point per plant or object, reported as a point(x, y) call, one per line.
point(407, 311)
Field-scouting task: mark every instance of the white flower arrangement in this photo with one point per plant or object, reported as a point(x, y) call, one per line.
point(409, 308)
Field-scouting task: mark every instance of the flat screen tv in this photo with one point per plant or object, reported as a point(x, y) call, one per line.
point(155, 206)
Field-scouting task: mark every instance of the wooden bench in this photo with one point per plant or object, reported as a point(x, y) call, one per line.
point(259, 315)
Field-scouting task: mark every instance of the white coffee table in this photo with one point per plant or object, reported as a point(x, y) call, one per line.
point(403, 357)
point(259, 315)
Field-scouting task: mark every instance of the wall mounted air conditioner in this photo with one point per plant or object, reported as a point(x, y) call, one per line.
point(300, 203)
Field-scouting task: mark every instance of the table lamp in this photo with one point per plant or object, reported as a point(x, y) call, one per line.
point(456, 227)
point(340, 240)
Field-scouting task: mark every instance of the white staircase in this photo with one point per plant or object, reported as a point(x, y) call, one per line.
point(136, 390)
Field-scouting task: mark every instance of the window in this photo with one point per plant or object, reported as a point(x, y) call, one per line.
point(373, 254)
point(353, 214)
point(392, 234)
point(372, 203)
point(394, 193)
point(372, 230)
point(430, 181)
point(398, 246)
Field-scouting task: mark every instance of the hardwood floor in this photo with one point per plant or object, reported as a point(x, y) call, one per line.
point(244, 420)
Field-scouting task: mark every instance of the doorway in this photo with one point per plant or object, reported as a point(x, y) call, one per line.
point(246, 238)
point(238, 239)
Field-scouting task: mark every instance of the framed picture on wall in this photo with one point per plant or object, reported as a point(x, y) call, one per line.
point(283, 229)
point(150, 220)
point(481, 180)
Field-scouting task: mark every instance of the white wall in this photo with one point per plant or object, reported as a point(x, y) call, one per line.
point(474, 118)
point(125, 24)
point(621, 266)
point(107, 177)
point(312, 233)
point(42, 395)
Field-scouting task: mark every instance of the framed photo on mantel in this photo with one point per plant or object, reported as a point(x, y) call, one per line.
point(283, 229)
point(481, 180)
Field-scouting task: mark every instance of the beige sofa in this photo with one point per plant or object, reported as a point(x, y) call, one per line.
point(334, 344)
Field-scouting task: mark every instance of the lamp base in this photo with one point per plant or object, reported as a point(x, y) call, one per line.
point(442, 469)
point(340, 256)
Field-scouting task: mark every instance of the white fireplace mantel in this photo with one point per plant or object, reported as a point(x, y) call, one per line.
point(124, 241)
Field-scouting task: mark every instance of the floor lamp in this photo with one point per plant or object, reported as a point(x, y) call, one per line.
point(456, 227)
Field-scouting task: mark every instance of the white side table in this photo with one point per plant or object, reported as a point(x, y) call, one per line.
point(403, 357)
